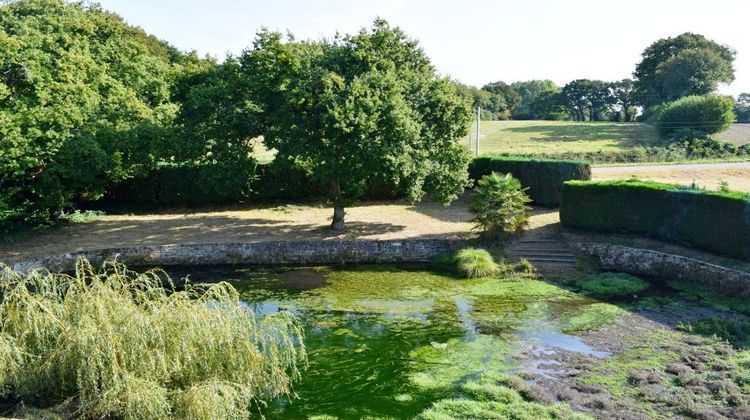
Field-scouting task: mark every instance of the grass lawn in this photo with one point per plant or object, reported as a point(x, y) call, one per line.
point(560, 137)
point(551, 137)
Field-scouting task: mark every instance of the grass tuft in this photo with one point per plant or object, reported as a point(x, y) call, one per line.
point(474, 263)
point(125, 345)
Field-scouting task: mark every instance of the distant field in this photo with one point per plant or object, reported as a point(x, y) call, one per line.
point(552, 137)
point(738, 134)
point(559, 137)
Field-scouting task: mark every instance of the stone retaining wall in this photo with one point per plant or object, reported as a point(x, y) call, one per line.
point(660, 264)
point(260, 253)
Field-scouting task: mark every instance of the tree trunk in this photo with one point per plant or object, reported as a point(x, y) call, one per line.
point(338, 211)
point(338, 219)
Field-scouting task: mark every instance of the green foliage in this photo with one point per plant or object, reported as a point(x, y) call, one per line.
point(506, 96)
point(494, 105)
point(592, 317)
point(735, 330)
point(624, 96)
point(714, 221)
point(524, 266)
point(360, 108)
point(123, 345)
point(742, 108)
point(588, 99)
point(694, 116)
point(551, 106)
point(187, 185)
point(529, 93)
point(500, 205)
point(689, 64)
point(542, 177)
point(84, 102)
point(613, 285)
point(475, 263)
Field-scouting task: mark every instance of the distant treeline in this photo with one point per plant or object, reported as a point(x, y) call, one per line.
point(670, 69)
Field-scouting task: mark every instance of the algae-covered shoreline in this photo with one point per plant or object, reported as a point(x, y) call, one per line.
point(406, 341)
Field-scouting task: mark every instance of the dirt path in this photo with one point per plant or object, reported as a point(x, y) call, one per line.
point(707, 175)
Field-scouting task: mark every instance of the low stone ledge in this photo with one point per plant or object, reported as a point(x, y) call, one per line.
point(259, 253)
point(660, 264)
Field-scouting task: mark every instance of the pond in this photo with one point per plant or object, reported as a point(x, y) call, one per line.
point(389, 341)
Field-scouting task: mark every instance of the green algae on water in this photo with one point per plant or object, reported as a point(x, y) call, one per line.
point(592, 317)
point(443, 367)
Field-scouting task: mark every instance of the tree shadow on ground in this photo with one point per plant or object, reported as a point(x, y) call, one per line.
point(456, 212)
point(101, 234)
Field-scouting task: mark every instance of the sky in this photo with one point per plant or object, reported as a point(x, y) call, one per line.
point(475, 42)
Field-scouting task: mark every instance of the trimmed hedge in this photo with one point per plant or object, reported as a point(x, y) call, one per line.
point(713, 221)
point(206, 184)
point(187, 185)
point(543, 177)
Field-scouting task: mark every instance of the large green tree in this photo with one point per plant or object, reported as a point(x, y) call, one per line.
point(623, 95)
point(361, 108)
point(216, 125)
point(742, 108)
point(588, 99)
point(510, 98)
point(493, 105)
point(529, 91)
point(689, 64)
point(84, 102)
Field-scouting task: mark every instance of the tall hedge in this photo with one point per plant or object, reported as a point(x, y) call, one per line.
point(713, 221)
point(197, 184)
point(543, 177)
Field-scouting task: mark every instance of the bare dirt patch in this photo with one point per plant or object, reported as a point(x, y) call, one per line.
point(373, 220)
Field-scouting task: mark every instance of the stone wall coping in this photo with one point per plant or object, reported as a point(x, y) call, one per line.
point(257, 253)
point(661, 264)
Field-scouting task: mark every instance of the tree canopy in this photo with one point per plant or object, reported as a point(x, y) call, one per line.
point(359, 109)
point(689, 64)
point(84, 102)
point(742, 107)
point(528, 92)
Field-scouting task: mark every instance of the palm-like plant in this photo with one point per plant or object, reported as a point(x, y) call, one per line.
point(500, 205)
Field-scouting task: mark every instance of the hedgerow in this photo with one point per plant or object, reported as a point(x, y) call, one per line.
point(714, 221)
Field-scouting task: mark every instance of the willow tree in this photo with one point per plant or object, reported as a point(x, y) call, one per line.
point(359, 109)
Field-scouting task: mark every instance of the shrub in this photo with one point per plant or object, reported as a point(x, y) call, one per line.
point(714, 221)
point(693, 116)
point(613, 284)
point(524, 266)
point(124, 345)
point(473, 263)
point(499, 205)
point(543, 177)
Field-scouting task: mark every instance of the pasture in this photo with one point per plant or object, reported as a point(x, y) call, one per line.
point(557, 137)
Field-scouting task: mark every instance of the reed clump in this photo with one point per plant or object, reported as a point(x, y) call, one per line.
point(131, 345)
point(475, 263)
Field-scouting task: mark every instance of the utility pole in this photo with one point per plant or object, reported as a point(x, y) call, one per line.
point(479, 111)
